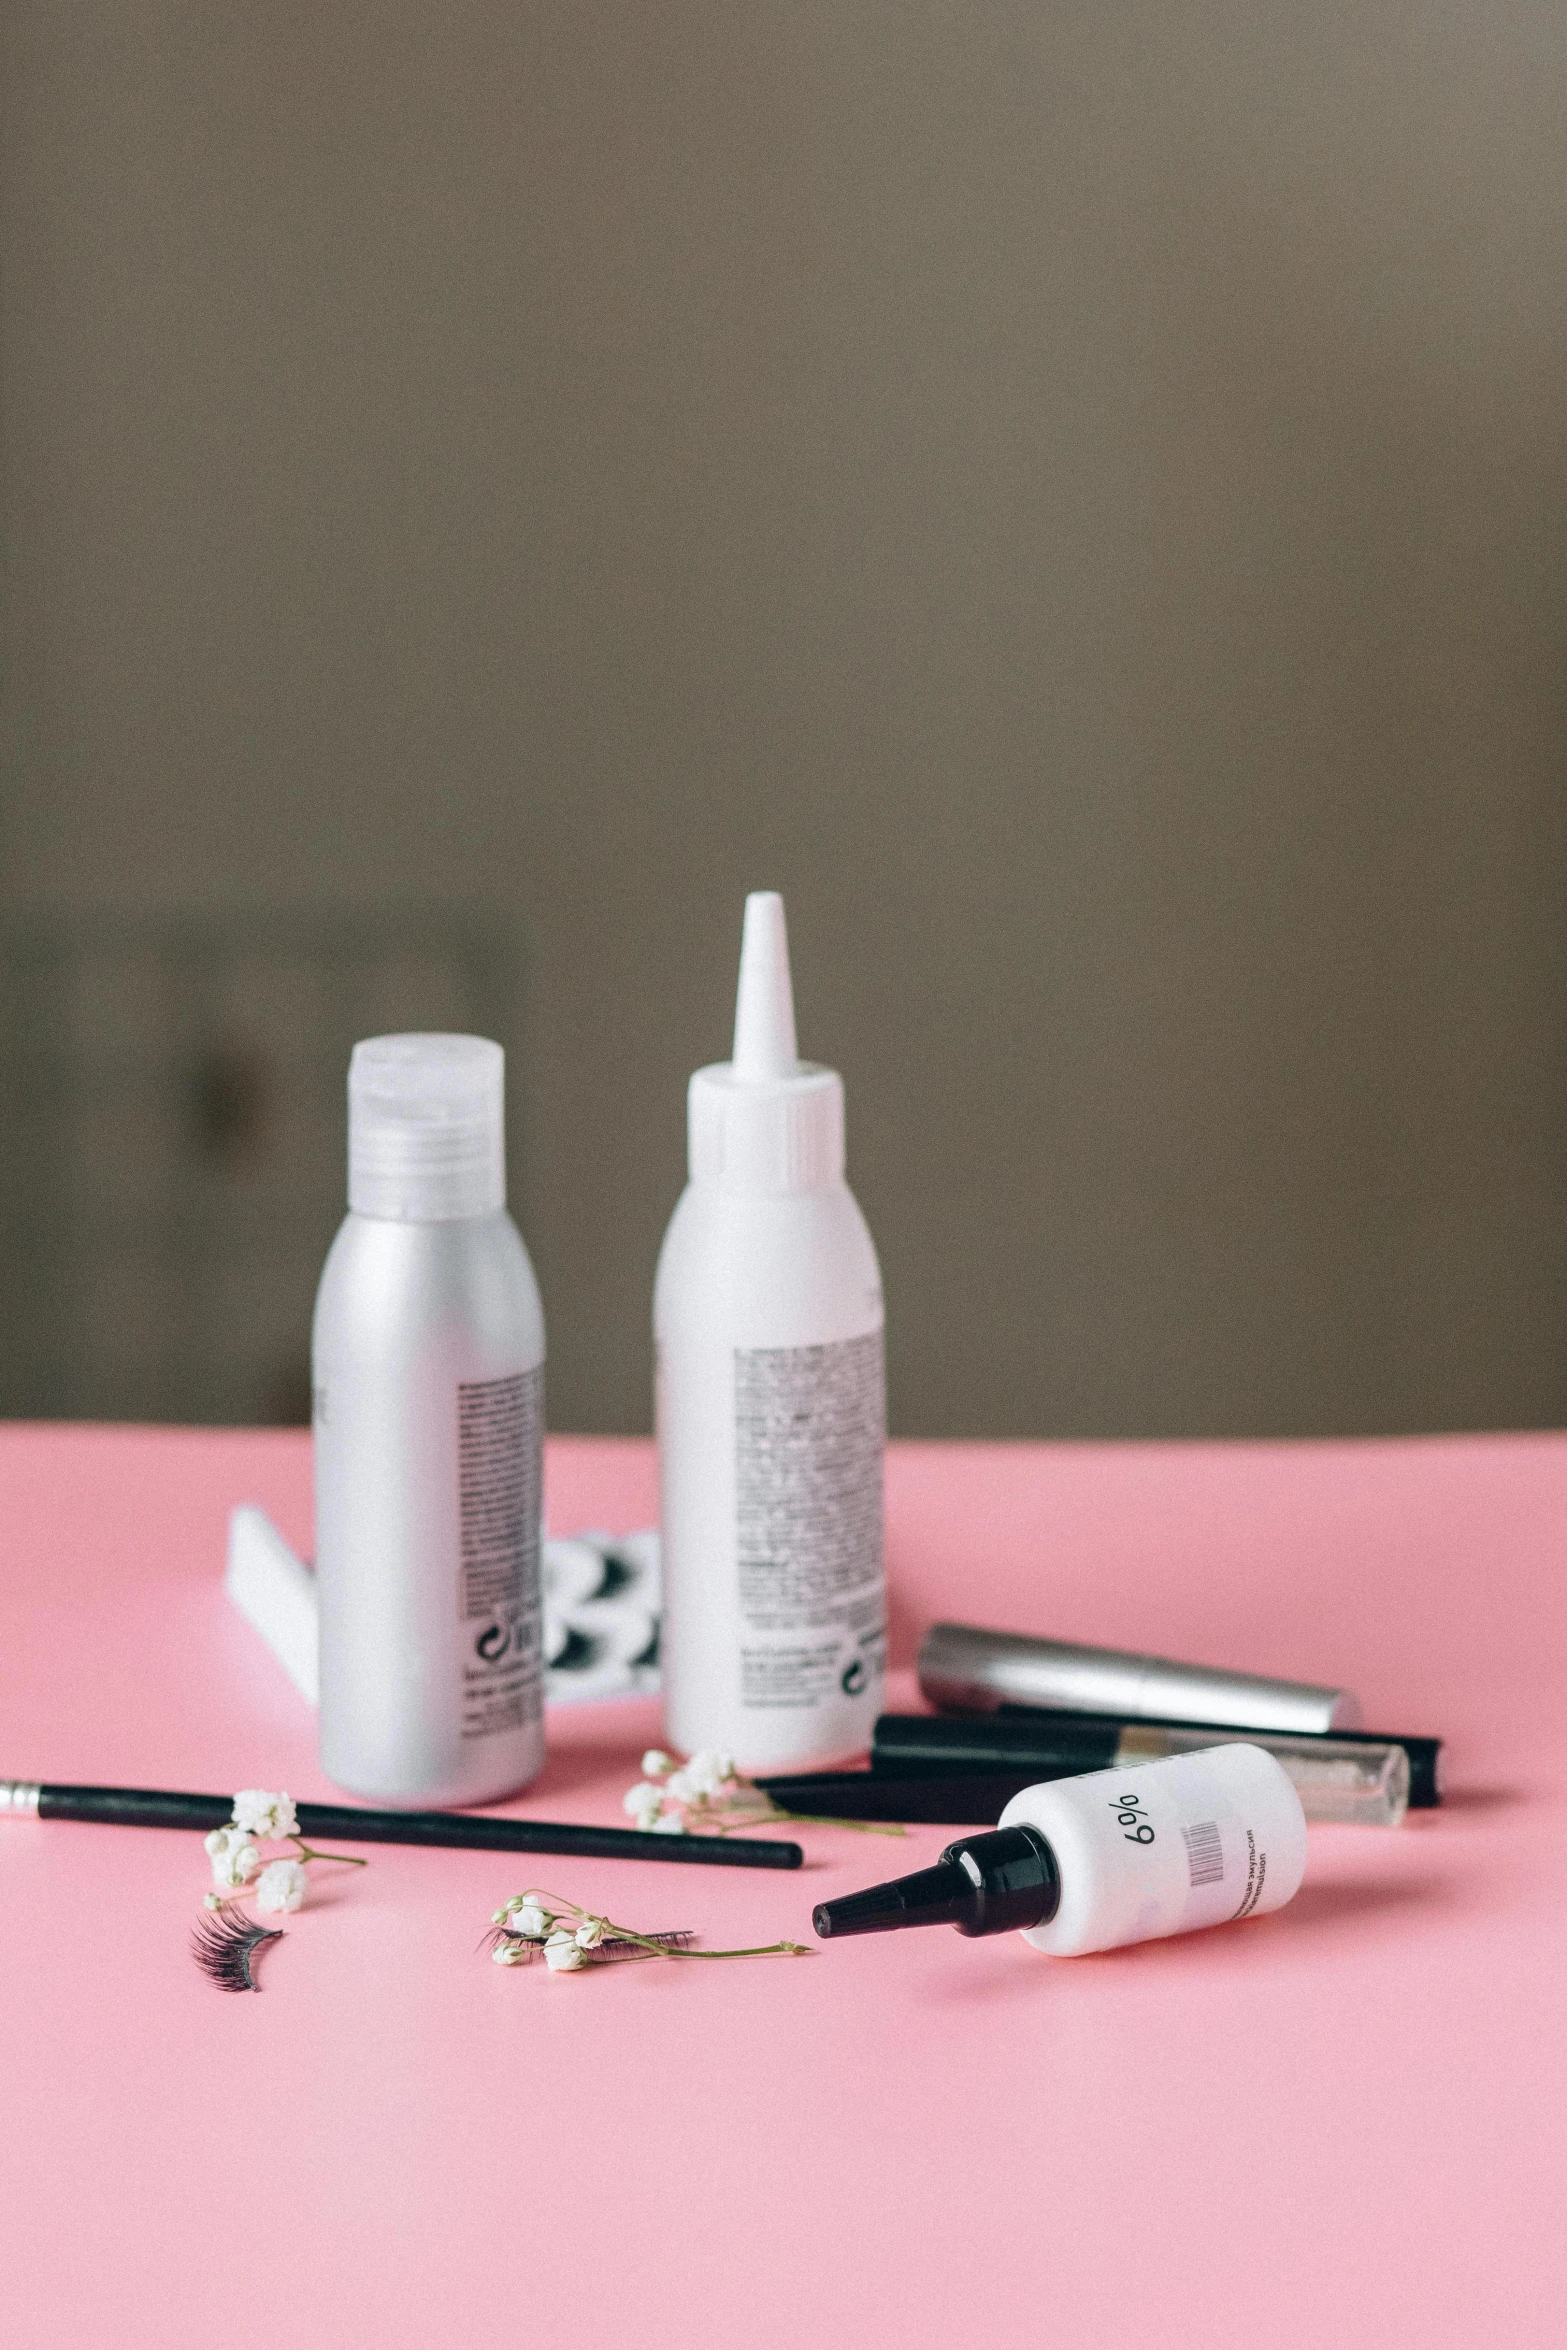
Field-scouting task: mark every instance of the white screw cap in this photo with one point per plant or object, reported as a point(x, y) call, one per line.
point(426, 1128)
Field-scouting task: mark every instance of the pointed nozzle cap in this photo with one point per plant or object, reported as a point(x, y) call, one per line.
point(931, 1897)
point(993, 1883)
point(764, 1004)
point(765, 1122)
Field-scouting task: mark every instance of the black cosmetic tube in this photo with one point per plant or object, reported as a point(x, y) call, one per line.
point(1355, 1786)
point(958, 1799)
point(1051, 1745)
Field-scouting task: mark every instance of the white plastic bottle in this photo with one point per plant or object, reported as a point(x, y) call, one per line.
point(429, 1412)
point(1119, 1856)
point(767, 1320)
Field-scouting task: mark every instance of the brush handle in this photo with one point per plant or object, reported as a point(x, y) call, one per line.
point(150, 1807)
point(957, 1799)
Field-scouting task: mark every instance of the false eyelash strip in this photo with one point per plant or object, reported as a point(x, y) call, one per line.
point(225, 1946)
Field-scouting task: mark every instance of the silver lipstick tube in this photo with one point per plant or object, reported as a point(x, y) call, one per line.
point(965, 1670)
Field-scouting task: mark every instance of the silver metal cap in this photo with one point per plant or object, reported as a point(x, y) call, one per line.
point(965, 1670)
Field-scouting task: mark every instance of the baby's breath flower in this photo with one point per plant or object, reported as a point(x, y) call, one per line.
point(241, 1873)
point(709, 1796)
point(580, 1938)
point(281, 1886)
point(235, 1859)
point(261, 1814)
point(530, 1921)
point(711, 1771)
point(644, 1802)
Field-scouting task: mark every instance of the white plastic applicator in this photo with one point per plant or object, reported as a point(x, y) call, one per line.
point(764, 1003)
point(768, 1326)
point(765, 1121)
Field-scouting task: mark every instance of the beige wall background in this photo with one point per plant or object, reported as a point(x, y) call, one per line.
point(1074, 496)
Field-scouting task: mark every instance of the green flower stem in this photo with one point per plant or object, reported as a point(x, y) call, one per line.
point(351, 1860)
point(757, 1950)
point(711, 1819)
point(813, 1819)
point(644, 1944)
point(806, 1820)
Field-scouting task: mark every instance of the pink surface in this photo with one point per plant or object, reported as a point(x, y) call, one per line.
point(1342, 2125)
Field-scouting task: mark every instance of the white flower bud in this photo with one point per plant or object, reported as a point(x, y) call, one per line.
point(561, 1954)
point(281, 1886)
point(261, 1814)
point(509, 1954)
point(235, 1859)
point(644, 1802)
point(670, 1825)
point(531, 1922)
point(656, 1764)
point(521, 1901)
point(590, 1933)
point(705, 1776)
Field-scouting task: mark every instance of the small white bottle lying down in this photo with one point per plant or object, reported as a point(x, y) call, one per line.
point(1118, 1856)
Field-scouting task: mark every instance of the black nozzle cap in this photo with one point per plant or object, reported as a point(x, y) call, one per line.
point(931, 1897)
point(1006, 1880)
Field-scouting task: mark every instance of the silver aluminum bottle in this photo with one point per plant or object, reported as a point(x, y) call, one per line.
point(428, 1367)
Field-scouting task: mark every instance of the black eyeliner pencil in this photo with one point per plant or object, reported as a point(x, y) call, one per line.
point(152, 1807)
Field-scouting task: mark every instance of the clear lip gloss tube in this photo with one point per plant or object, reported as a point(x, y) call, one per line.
point(1338, 1784)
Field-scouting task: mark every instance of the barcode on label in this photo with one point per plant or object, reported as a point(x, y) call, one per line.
point(1205, 1853)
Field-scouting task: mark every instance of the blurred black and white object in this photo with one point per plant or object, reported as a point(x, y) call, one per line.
point(602, 1604)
